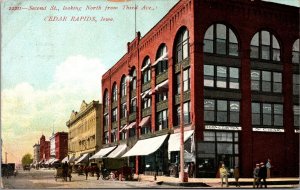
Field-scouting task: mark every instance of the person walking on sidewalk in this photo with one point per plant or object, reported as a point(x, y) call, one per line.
point(262, 175)
point(268, 166)
point(223, 175)
point(255, 175)
point(236, 175)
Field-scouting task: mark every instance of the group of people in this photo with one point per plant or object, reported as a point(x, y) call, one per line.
point(89, 169)
point(260, 174)
point(66, 171)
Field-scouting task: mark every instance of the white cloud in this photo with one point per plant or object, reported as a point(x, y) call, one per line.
point(28, 112)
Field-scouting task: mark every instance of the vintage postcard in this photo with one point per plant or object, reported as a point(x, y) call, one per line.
point(149, 93)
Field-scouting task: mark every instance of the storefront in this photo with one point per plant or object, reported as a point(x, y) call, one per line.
point(216, 148)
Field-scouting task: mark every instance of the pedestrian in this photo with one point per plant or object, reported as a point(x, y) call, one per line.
point(262, 175)
point(268, 166)
point(192, 169)
point(236, 175)
point(86, 171)
point(97, 171)
point(255, 175)
point(65, 171)
point(70, 172)
point(223, 175)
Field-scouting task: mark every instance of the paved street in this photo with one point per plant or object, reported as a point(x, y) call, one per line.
point(41, 179)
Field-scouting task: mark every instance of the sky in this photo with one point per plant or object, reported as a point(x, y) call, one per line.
point(49, 67)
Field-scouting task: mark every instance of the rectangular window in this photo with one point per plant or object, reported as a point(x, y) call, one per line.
point(132, 132)
point(177, 83)
point(296, 84)
point(123, 136)
point(106, 137)
point(221, 111)
point(123, 110)
point(209, 75)
point(254, 52)
point(209, 110)
point(186, 113)
point(177, 116)
point(296, 116)
point(221, 76)
point(277, 82)
point(278, 115)
point(234, 112)
point(162, 120)
point(185, 47)
point(266, 81)
point(133, 105)
point(267, 114)
point(146, 103)
point(114, 115)
point(161, 96)
point(179, 53)
point(256, 114)
point(106, 120)
point(234, 78)
point(208, 46)
point(255, 80)
point(186, 80)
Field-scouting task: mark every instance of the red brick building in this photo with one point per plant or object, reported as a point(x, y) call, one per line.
point(44, 148)
point(61, 145)
point(231, 66)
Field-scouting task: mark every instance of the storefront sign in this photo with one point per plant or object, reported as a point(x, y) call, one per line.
point(227, 128)
point(268, 130)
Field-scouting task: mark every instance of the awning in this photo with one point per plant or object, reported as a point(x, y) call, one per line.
point(123, 129)
point(144, 121)
point(164, 57)
point(41, 161)
point(103, 152)
point(55, 160)
point(118, 151)
point(82, 158)
point(146, 66)
point(131, 125)
point(162, 86)
point(146, 94)
point(174, 140)
point(146, 146)
point(65, 159)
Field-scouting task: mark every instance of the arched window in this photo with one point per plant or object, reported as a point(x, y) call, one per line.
point(123, 86)
point(161, 60)
point(146, 72)
point(133, 80)
point(182, 45)
point(264, 45)
point(296, 52)
point(105, 99)
point(114, 93)
point(220, 39)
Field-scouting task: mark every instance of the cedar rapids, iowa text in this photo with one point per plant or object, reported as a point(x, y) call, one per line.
point(78, 19)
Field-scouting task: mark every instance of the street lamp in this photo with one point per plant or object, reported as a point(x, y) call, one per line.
point(181, 127)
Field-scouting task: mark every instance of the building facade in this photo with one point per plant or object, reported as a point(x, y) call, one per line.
point(44, 149)
point(36, 153)
point(226, 71)
point(61, 145)
point(85, 134)
point(52, 145)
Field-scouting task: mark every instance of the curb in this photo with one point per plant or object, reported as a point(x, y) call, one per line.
point(183, 184)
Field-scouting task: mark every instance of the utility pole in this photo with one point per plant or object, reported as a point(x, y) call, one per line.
point(181, 127)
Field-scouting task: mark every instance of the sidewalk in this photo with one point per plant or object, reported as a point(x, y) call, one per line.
point(215, 182)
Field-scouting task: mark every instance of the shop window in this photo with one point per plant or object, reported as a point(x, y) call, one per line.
point(220, 39)
point(182, 45)
point(296, 52)
point(265, 46)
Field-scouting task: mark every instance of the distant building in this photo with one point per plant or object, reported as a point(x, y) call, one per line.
point(36, 153)
point(85, 132)
point(61, 145)
point(44, 148)
point(52, 145)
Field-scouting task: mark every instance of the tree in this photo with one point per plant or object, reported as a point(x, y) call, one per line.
point(27, 159)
